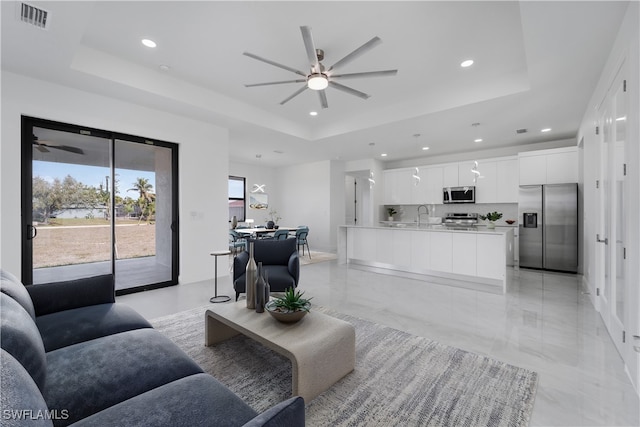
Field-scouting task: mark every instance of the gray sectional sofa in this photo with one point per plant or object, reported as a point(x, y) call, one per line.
point(72, 356)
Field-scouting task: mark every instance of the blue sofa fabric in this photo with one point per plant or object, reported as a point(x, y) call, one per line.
point(81, 324)
point(93, 375)
point(178, 403)
point(11, 286)
point(20, 395)
point(58, 296)
point(20, 338)
point(86, 360)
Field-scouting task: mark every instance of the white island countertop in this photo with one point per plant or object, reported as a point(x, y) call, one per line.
point(436, 227)
point(474, 255)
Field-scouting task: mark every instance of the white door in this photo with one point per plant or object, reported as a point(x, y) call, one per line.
point(613, 301)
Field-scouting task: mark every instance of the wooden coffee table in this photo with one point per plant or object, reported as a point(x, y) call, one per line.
point(321, 348)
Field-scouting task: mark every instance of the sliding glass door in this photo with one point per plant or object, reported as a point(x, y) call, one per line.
point(96, 202)
point(145, 222)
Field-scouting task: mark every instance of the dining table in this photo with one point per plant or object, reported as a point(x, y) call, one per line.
point(261, 231)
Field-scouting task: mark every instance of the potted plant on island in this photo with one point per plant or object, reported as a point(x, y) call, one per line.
point(391, 211)
point(289, 308)
point(492, 217)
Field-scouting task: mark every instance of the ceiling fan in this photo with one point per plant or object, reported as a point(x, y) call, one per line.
point(43, 146)
point(321, 77)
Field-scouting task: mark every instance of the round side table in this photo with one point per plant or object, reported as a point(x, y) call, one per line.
point(216, 297)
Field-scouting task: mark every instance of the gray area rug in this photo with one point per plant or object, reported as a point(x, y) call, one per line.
point(399, 379)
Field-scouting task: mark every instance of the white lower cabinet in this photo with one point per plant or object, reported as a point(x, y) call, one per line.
point(384, 246)
point(440, 252)
point(420, 251)
point(491, 256)
point(464, 254)
point(480, 255)
point(401, 248)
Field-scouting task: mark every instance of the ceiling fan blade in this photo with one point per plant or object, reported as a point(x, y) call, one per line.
point(40, 148)
point(276, 83)
point(358, 52)
point(68, 148)
point(323, 99)
point(275, 64)
point(365, 74)
point(296, 93)
point(349, 90)
point(310, 47)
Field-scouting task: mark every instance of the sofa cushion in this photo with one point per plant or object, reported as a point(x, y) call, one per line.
point(20, 337)
point(196, 400)
point(88, 377)
point(58, 296)
point(20, 400)
point(10, 285)
point(73, 326)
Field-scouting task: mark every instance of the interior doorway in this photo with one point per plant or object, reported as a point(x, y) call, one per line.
point(358, 198)
point(96, 202)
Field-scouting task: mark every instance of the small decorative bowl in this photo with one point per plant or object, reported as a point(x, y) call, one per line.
point(510, 221)
point(285, 317)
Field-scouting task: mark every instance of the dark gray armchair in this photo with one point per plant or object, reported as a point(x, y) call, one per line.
point(279, 258)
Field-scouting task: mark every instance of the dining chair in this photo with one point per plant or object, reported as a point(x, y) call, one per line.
point(237, 243)
point(301, 237)
point(280, 234)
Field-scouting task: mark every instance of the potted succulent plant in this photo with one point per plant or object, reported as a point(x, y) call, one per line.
point(391, 211)
point(492, 217)
point(289, 308)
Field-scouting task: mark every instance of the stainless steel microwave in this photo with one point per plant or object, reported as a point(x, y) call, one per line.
point(459, 194)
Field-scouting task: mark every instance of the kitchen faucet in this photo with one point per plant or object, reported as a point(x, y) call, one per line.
point(426, 208)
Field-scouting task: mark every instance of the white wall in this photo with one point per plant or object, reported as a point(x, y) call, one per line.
point(203, 163)
point(312, 194)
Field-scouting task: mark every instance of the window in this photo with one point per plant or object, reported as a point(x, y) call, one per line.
point(237, 197)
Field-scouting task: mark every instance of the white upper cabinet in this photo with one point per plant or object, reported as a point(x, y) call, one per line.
point(533, 169)
point(450, 175)
point(562, 167)
point(555, 166)
point(398, 185)
point(465, 176)
point(507, 181)
point(435, 182)
point(486, 185)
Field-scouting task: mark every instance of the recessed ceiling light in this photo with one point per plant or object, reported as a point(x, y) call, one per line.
point(148, 43)
point(467, 63)
point(383, 155)
point(425, 148)
point(164, 68)
point(545, 130)
point(313, 113)
point(477, 140)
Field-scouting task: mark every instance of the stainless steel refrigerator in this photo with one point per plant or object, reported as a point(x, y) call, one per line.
point(548, 228)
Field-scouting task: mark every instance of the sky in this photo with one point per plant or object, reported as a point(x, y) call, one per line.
point(92, 175)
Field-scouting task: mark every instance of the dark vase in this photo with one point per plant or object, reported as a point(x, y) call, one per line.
point(267, 287)
point(260, 285)
point(270, 225)
point(250, 279)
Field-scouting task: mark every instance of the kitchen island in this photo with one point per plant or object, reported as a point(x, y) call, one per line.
point(477, 256)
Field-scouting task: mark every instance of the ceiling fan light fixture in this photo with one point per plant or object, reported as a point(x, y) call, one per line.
point(317, 81)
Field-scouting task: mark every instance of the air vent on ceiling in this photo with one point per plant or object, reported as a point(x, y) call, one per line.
point(521, 131)
point(32, 15)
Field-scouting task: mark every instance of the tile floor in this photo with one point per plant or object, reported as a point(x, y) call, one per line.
point(544, 323)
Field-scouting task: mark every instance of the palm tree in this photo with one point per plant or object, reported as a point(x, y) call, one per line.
point(147, 197)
